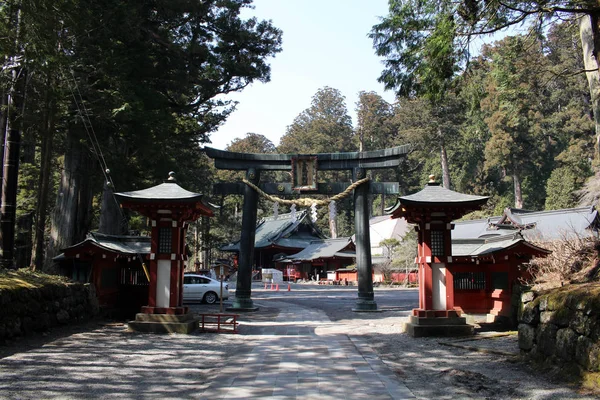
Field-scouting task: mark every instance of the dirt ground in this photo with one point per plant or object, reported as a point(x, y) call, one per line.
point(487, 366)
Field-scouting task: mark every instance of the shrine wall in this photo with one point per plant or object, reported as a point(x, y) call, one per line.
point(562, 326)
point(27, 310)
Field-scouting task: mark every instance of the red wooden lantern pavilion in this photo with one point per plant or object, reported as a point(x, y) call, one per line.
point(432, 210)
point(170, 208)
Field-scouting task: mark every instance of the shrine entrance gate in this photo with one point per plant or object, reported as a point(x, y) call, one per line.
point(304, 169)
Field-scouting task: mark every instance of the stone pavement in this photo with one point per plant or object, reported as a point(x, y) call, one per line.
point(293, 362)
point(289, 357)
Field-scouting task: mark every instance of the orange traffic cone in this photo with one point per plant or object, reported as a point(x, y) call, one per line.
point(289, 288)
point(277, 287)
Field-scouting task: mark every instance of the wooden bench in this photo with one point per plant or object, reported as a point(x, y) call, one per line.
point(220, 323)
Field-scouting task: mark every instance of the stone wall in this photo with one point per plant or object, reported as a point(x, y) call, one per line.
point(562, 325)
point(27, 310)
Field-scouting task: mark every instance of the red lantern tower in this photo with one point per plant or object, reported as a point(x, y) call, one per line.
point(170, 208)
point(432, 210)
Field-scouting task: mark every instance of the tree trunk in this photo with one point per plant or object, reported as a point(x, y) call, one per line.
point(44, 184)
point(588, 38)
point(71, 218)
point(444, 159)
point(10, 174)
point(112, 221)
point(24, 233)
point(518, 193)
point(3, 124)
point(361, 139)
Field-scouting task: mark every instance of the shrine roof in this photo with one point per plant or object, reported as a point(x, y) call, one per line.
point(534, 225)
point(130, 245)
point(170, 191)
point(326, 248)
point(385, 227)
point(433, 193)
point(488, 246)
point(438, 199)
point(283, 231)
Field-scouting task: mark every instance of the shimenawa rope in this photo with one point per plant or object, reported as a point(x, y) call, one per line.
point(305, 201)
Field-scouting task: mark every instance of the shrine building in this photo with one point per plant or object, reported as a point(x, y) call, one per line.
point(474, 275)
point(113, 265)
point(169, 208)
point(280, 236)
point(319, 261)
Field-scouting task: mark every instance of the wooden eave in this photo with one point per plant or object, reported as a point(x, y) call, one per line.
point(422, 212)
point(521, 249)
point(181, 210)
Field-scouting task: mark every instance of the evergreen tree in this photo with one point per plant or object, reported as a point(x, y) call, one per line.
point(324, 126)
point(147, 76)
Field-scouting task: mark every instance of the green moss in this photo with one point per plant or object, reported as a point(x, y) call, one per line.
point(24, 278)
point(591, 381)
point(573, 296)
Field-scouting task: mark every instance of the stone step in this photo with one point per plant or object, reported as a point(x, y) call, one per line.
point(438, 321)
point(163, 327)
point(438, 330)
point(164, 318)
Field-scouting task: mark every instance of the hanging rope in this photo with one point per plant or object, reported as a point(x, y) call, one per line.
point(306, 201)
point(91, 133)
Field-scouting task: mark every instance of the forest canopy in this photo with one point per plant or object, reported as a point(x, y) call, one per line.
point(108, 96)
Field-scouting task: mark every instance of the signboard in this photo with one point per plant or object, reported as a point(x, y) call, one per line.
point(304, 173)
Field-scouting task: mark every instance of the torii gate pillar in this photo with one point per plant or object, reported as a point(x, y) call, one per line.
point(243, 291)
point(304, 169)
point(364, 265)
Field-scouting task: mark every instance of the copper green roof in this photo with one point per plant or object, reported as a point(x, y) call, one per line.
point(478, 247)
point(326, 248)
point(436, 194)
point(569, 223)
point(283, 231)
point(168, 191)
point(130, 245)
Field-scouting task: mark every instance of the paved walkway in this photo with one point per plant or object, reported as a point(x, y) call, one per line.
point(293, 361)
point(283, 359)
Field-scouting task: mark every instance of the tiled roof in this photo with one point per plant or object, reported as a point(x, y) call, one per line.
point(131, 245)
point(326, 248)
point(434, 193)
point(169, 190)
point(283, 231)
point(534, 225)
point(486, 246)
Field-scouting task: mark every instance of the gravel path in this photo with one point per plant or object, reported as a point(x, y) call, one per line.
point(104, 360)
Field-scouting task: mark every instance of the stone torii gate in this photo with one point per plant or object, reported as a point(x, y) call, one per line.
point(304, 169)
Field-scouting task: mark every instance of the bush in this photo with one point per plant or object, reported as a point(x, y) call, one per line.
point(574, 259)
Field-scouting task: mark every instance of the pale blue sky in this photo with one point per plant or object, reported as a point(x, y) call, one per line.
point(325, 43)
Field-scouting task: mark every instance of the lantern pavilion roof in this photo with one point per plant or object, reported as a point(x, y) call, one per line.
point(167, 195)
point(434, 198)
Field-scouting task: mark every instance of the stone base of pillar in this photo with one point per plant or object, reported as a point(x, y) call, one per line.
point(242, 304)
point(363, 305)
point(164, 323)
point(165, 310)
point(437, 323)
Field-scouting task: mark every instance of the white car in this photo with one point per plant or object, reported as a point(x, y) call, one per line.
point(202, 288)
